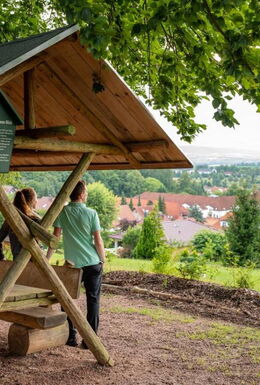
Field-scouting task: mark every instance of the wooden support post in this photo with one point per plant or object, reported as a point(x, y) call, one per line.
point(29, 95)
point(48, 132)
point(19, 227)
point(24, 257)
point(39, 232)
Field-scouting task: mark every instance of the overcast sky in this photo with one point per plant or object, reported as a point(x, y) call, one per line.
point(245, 136)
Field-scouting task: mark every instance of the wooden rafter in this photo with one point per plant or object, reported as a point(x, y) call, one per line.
point(59, 83)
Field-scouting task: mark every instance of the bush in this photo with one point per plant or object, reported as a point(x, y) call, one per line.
point(192, 265)
point(161, 259)
point(130, 239)
point(211, 244)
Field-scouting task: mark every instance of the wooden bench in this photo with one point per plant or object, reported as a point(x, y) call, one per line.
point(35, 327)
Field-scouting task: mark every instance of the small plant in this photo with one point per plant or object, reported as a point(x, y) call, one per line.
point(161, 259)
point(191, 265)
point(110, 257)
point(243, 276)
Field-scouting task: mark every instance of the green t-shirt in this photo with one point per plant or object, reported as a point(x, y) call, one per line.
point(78, 224)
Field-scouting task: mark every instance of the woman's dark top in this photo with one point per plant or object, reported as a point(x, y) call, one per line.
point(15, 244)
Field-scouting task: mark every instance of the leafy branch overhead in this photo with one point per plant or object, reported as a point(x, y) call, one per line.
point(174, 53)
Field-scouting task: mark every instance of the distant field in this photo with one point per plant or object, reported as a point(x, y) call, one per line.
point(215, 272)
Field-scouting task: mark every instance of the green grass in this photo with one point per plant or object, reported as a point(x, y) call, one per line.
point(216, 273)
point(222, 334)
point(156, 314)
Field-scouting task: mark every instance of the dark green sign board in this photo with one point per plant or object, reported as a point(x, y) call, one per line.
point(8, 121)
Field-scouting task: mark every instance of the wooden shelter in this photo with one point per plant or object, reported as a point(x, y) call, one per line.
point(62, 92)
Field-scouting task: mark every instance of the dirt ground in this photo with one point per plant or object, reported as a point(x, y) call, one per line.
point(211, 337)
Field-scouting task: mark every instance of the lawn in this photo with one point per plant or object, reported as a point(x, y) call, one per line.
point(216, 273)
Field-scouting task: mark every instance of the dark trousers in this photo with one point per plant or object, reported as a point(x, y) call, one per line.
point(92, 278)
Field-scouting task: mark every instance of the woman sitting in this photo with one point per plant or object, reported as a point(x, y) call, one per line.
point(25, 200)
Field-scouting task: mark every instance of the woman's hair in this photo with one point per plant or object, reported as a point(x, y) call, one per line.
point(78, 190)
point(24, 199)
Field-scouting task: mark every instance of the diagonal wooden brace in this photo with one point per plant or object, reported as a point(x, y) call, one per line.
point(24, 257)
point(28, 242)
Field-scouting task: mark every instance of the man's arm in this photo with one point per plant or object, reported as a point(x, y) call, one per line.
point(57, 233)
point(99, 245)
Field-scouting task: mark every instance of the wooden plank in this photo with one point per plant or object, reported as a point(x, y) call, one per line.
point(35, 317)
point(27, 303)
point(20, 293)
point(23, 340)
point(33, 277)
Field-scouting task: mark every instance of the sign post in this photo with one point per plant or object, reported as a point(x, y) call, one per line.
point(9, 119)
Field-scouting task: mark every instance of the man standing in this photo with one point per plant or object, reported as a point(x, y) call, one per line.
point(80, 226)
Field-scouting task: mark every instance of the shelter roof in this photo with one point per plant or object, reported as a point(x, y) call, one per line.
point(65, 73)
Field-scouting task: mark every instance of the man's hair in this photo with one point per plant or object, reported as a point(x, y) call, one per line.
point(78, 190)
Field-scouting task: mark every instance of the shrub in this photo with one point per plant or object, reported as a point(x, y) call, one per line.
point(161, 259)
point(192, 265)
point(210, 243)
point(130, 239)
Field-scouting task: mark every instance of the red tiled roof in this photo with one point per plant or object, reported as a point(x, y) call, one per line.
point(217, 203)
point(44, 203)
point(125, 213)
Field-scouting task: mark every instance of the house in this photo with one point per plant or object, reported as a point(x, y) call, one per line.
point(214, 207)
point(44, 203)
point(183, 230)
point(125, 214)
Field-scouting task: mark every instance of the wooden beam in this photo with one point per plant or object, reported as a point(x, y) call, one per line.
point(23, 340)
point(21, 68)
point(35, 317)
point(24, 257)
point(29, 96)
point(26, 143)
point(78, 319)
point(48, 132)
point(59, 83)
point(39, 232)
point(27, 303)
point(101, 166)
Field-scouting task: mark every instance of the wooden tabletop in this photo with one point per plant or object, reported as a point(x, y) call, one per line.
point(20, 293)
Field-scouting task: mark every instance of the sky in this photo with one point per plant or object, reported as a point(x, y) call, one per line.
point(245, 137)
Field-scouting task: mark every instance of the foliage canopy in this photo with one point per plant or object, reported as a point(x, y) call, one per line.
point(174, 53)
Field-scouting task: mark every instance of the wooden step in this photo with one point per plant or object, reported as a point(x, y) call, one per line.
point(23, 340)
point(35, 317)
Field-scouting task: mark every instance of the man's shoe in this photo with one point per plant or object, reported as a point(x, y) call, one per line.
point(84, 345)
point(72, 342)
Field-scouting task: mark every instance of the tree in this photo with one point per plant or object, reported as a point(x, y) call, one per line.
point(152, 236)
point(10, 178)
point(131, 205)
point(123, 200)
point(154, 185)
point(139, 201)
point(243, 232)
point(196, 213)
point(174, 53)
point(161, 204)
point(130, 239)
point(104, 202)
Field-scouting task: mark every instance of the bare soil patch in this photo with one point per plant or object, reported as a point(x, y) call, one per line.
point(153, 342)
point(241, 306)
